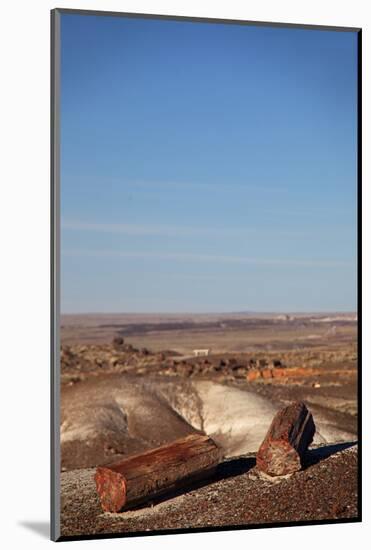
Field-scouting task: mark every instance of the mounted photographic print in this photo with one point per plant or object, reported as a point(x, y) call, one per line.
point(205, 187)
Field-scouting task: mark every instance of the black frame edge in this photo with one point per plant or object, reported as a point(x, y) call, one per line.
point(192, 530)
point(359, 264)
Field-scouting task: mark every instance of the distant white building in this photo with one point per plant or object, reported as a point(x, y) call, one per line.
point(201, 352)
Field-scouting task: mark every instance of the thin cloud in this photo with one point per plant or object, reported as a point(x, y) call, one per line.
point(207, 186)
point(132, 229)
point(152, 185)
point(184, 257)
point(143, 229)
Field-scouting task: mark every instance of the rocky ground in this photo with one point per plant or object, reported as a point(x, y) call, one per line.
point(118, 399)
point(79, 360)
point(236, 496)
point(90, 374)
point(327, 378)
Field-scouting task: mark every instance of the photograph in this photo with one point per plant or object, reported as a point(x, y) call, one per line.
point(205, 345)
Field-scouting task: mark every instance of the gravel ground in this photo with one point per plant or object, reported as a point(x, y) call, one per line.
point(237, 495)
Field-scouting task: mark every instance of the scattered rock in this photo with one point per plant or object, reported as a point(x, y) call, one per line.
point(128, 348)
point(118, 342)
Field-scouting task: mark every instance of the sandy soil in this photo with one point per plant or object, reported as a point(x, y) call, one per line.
point(236, 496)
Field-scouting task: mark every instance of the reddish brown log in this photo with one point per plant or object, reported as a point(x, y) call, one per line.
point(287, 441)
point(154, 473)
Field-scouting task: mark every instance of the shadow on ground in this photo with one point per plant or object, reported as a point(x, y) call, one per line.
point(314, 456)
point(234, 467)
point(239, 466)
point(41, 528)
point(225, 470)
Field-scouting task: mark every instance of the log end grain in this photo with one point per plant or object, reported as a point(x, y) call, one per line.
point(279, 459)
point(111, 488)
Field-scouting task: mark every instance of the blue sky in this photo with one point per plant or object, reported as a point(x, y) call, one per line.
point(207, 167)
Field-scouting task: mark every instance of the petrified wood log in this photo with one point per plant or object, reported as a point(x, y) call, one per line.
point(154, 473)
point(287, 441)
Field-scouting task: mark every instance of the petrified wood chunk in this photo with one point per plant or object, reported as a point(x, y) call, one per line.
point(156, 472)
point(287, 440)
